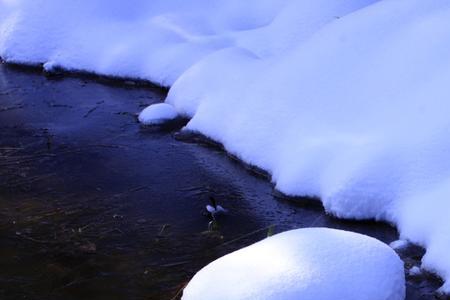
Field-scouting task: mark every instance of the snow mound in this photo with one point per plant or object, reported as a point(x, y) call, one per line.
point(157, 114)
point(307, 264)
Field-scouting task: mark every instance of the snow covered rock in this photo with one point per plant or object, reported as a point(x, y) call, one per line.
point(307, 264)
point(415, 271)
point(399, 244)
point(157, 114)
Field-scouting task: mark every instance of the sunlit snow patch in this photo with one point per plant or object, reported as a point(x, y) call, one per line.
point(157, 114)
point(307, 264)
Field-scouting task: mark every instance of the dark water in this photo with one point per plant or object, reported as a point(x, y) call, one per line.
point(94, 206)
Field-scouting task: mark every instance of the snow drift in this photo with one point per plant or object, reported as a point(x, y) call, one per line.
point(307, 264)
point(155, 40)
point(346, 100)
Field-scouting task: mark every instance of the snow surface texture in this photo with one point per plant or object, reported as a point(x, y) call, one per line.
point(346, 100)
point(157, 114)
point(307, 264)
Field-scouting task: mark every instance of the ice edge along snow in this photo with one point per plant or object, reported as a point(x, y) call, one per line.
point(345, 100)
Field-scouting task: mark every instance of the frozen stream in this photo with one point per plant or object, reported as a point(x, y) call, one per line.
point(94, 206)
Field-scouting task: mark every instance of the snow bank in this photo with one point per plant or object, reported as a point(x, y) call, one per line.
point(346, 100)
point(307, 264)
point(155, 40)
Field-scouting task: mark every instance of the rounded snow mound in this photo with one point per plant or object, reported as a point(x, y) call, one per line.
point(307, 264)
point(157, 114)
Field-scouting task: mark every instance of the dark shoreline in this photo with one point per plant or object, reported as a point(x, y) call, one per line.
point(60, 73)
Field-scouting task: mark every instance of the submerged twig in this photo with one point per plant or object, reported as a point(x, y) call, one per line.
point(180, 290)
point(245, 235)
point(90, 111)
point(7, 108)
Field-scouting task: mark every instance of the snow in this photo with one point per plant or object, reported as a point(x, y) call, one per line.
point(312, 263)
point(399, 244)
point(215, 210)
point(156, 40)
point(157, 114)
point(415, 271)
point(357, 115)
point(345, 100)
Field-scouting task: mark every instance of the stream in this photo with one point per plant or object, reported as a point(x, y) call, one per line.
point(95, 206)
